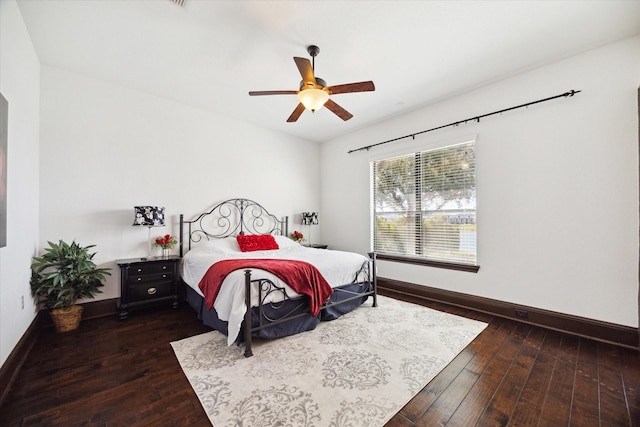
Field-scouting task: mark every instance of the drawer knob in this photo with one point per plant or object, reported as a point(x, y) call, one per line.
point(151, 291)
point(139, 270)
point(139, 278)
point(164, 276)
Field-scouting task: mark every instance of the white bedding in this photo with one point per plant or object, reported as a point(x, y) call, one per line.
point(337, 267)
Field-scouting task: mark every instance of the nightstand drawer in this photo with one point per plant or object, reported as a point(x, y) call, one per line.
point(150, 291)
point(137, 278)
point(150, 268)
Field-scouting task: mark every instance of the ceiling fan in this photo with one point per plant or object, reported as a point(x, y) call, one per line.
point(314, 92)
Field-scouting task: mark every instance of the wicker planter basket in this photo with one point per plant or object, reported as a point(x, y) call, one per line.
point(67, 319)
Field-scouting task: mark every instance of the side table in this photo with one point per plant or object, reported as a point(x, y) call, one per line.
point(146, 281)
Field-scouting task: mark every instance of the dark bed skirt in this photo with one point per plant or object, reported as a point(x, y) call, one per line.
point(305, 322)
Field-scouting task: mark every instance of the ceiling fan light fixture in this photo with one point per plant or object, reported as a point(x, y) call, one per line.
point(313, 99)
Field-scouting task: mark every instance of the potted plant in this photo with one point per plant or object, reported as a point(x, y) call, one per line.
point(61, 276)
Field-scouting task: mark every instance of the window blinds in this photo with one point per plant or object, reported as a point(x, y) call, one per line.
point(424, 204)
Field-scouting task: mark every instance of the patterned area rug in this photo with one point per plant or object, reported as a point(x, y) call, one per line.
point(358, 370)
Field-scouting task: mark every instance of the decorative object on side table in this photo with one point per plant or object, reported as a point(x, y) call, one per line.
point(64, 274)
point(149, 216)
point(147, 281)
point(309, 218)
point(297, 236)
point(166, 242)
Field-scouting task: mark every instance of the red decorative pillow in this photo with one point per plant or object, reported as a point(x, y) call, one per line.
point(256, 242)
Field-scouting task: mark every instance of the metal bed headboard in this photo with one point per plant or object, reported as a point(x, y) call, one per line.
point(230, 218)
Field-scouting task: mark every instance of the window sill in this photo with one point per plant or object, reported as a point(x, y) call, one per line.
point(428, 263)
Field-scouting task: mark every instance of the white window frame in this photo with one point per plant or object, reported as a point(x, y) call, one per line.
point(443, 219)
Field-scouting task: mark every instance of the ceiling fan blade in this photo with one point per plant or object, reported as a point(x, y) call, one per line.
point(296, 113)
point(306, 70)
point(273, 92)
point(352, 87)
point(338, 110)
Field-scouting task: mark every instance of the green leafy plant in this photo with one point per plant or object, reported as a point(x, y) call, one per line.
point(66, 273)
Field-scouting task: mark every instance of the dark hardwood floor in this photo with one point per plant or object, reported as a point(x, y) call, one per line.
point(124, 373)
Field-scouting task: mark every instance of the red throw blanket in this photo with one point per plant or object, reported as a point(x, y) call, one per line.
point(301, 276)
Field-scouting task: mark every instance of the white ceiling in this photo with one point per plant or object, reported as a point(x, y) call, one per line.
point(209, 54)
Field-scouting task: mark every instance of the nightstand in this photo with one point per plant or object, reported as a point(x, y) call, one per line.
point(146, 281)
point(317, 246)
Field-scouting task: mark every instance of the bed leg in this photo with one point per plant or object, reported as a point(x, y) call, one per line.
point(375, 280)
point(247, 315)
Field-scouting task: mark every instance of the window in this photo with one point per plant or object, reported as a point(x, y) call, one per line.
point(424, 207)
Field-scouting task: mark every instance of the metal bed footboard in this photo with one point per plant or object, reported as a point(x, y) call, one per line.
point(266, 287)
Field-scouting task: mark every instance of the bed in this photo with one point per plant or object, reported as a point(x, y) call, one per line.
point(239, 270)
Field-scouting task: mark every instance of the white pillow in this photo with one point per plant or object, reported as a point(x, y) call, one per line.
point(285, 242)
point(226, 245)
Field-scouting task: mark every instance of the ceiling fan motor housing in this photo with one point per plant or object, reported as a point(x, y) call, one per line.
point(320, 84)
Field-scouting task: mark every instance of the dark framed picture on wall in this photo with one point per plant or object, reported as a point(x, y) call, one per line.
point(4, 125)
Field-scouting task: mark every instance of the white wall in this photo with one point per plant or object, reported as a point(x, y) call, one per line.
point(557, 183)
point(106, 149)
point(20, 85)
point(557, 186)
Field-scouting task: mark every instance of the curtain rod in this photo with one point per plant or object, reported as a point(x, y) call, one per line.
point(476, 119)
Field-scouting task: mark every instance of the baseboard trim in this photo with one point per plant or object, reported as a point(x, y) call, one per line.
point(612, 333)
point(102, 308)
point(10, 368)
point(92, 310)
